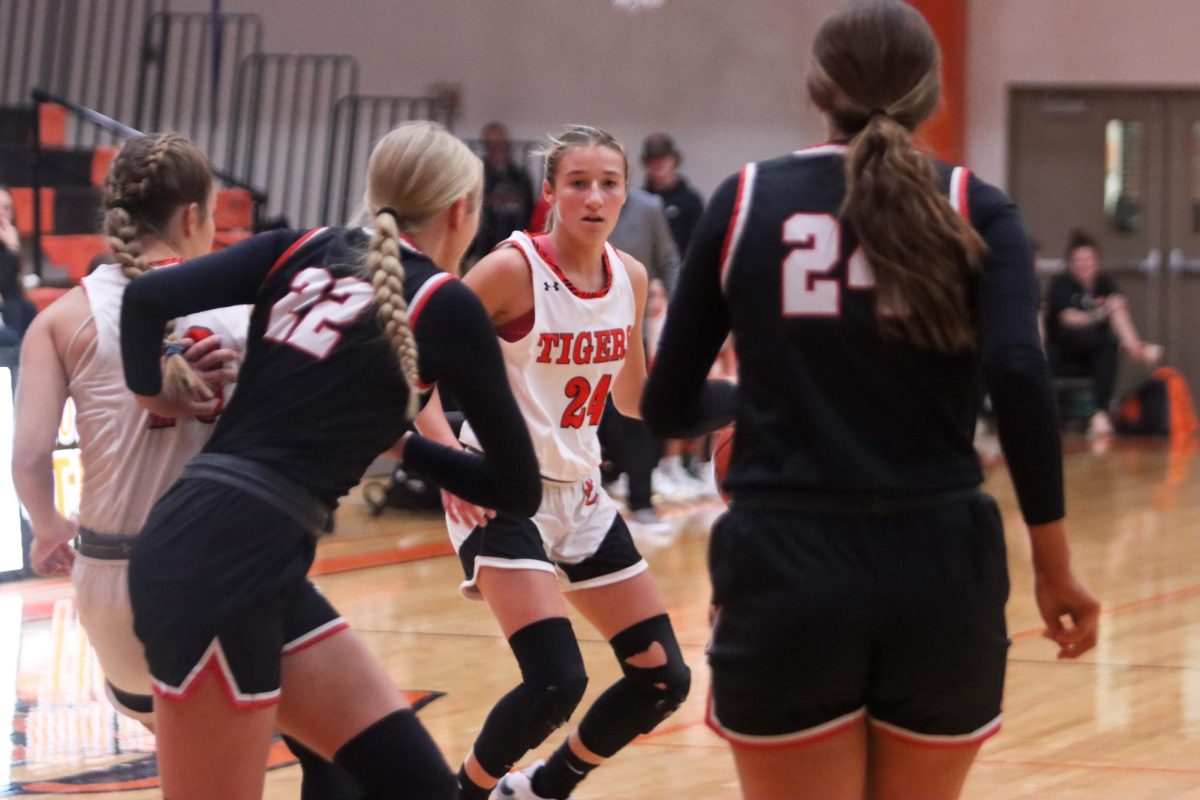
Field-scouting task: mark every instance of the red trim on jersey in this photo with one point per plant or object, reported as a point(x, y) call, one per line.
point(963, 182)
point(737, 209)
point(547, 256)
point(166, 262)
point(518, 328)
point(424, 293)
point(296, 245)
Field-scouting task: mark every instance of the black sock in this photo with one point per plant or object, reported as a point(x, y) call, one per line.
point(560, 775)
point(323, 780)
point(396, 759)
point(468, 789)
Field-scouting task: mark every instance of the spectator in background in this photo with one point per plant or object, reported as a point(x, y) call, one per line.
point(507, 192)
point(1086, 319)
point(681, 203)
point(16, 312)
point(642, 231)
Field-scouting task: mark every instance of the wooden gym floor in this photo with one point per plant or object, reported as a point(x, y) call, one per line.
point(1122, 723)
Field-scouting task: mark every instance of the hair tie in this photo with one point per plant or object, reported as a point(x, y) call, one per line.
point(877, 112)
point(390, 212)
point(172, 349)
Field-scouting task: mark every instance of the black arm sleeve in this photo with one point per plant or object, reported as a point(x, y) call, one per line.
point(679, 402)
point(1014, 365)
point(458, 348)
point(227, 278)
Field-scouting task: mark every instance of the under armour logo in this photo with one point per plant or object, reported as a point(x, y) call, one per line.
point(548, 286)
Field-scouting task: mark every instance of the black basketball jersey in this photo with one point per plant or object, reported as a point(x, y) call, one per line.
point(825, 402)
point(315, 331)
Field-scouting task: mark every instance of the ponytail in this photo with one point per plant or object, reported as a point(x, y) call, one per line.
point(920, 249)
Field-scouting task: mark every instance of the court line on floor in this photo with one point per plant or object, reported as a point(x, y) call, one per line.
point(1183, 593)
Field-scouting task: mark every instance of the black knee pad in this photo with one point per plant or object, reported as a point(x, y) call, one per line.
point(646, 696)
point(396, 759)
point(669, 683)
point(553, 683)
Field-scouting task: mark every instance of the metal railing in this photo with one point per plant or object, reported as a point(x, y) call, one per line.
point(187, 71)
point(118, 130)
point(284, 106)
point(358, 122)
point(86, 49)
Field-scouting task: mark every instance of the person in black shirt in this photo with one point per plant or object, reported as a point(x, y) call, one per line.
point(348, 326)
point(681, 203)
point(16, 311)
point(507, 192)
point(1086, 318)
point(859, 578)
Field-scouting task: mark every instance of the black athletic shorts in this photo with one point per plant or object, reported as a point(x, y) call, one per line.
point(825, 618)
point(218, 583)
point(605, 555)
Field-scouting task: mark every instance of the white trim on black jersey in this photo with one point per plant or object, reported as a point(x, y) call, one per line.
point(827, 149)
point(959, 179)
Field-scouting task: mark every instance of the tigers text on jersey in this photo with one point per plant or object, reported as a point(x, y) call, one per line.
point(130, 457)
point(561, 370)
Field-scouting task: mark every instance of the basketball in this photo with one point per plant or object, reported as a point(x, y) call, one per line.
point(722, 451)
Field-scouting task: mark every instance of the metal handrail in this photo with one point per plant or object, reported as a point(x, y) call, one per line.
point(40, 97)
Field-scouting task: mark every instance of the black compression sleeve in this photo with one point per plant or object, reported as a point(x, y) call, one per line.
point(458, 348)
point(1014, 364)
point(678, 401)
point(227, 278)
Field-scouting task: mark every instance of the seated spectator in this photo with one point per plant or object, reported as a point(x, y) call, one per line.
point(16, 312)
point(1087, 318)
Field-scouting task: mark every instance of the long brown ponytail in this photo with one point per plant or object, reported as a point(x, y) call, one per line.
point(151, 177)
point(876, 72)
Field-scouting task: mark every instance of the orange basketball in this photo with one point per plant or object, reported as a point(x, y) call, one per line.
point(722, 451)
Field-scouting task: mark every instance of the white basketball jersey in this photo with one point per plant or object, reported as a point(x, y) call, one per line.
point(130, 458)
point(561, 371)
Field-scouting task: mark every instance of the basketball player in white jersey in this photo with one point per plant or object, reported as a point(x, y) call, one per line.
point(568, 308)
point(159, 203)
point(129, 457)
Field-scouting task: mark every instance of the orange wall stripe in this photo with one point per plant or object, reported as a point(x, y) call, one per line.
point(945, 134)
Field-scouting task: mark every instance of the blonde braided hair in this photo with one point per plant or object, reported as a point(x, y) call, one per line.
point(416, 172)
point(387, 277)
point(151, 177)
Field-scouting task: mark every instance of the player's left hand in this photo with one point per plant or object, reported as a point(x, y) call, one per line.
point(1067, 598)
point(51, 552)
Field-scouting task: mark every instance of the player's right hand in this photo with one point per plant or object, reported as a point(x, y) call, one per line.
point(463, 513)
point(213, 364)
point(1068, 598)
